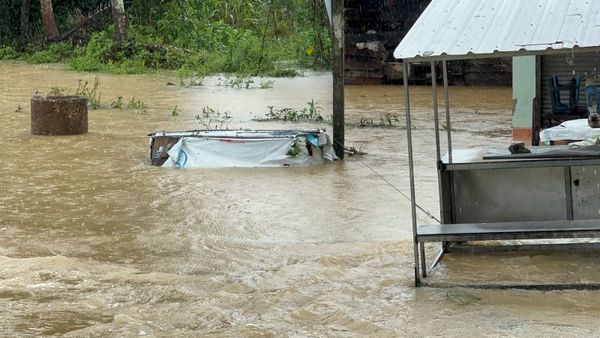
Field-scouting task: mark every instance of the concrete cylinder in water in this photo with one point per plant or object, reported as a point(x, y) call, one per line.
point(59, 115)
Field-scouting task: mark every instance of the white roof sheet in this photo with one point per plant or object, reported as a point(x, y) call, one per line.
point(455, 29)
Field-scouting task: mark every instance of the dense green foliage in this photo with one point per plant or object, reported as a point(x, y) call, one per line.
point(192, 36)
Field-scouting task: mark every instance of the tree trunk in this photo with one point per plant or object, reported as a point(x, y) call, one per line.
point(24, 22)
point(120, 20)
point(48, 20)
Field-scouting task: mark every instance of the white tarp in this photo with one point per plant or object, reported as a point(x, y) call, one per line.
point(570, 130)
point(219, 152)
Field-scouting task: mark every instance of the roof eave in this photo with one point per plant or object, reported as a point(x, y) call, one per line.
point(497, 54)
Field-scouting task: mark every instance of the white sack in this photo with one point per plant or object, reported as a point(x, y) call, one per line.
point(569, 130)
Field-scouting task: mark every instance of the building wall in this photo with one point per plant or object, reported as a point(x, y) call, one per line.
point(566, 67)
point(374, 28)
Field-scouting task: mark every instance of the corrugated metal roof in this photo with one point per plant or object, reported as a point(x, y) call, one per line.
point(449, 29)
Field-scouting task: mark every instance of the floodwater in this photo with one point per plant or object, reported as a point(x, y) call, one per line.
point(95, 242)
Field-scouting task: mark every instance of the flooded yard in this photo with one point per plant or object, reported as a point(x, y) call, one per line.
point(96, 242)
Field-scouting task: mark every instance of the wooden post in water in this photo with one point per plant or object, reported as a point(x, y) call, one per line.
point(338, 24)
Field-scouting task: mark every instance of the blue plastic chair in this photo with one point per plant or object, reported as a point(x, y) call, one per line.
point(592, 97)
point(555, 89)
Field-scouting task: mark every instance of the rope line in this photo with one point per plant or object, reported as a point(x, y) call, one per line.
point(427, 213)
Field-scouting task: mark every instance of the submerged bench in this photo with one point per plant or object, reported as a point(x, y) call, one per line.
point(503, 231)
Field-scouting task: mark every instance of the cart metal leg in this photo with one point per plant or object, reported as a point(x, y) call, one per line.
point(423, 264)
point(439, 256)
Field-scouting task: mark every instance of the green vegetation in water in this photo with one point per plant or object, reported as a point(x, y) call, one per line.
point(244, 81)
point(352, 151)
point(174, 111)
point(387, 120)
point(57, 91)
point(191, 81)
point(92, 93)
point(444, 126)
point(94, 97)
point(311, 113)
point(294, 150)
point(136, 104)
point(266, 84)
point(190, 77)
point(285, 72)
point(210, 117)
point(117, 103)
point(240, 81)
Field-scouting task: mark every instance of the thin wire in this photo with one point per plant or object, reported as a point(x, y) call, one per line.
point(427, 213)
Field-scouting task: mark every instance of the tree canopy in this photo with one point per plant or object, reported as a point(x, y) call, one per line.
point(250, 36)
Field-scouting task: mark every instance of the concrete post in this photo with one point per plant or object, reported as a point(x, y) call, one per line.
point(59, 115)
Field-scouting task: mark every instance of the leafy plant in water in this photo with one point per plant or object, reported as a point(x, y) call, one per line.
point(118, 103)
point(387, 120)
point(239, 81)
point(174, 111)
point(267, 84)
point(294, 150)
point(352, 151)
point(92, 94)
point(445, 125)
point(136, 104)
point(286, 72)
point(195, 82)
point(189, 78)
point(311, 113)
point(57, 91)
point(210, 117)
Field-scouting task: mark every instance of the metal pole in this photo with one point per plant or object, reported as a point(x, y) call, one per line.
point(338, 77)
point(448, 124)
point(436, 115)
point(436, 120)
point(411, 173)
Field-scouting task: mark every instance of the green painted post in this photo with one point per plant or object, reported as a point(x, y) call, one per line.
point(524, 97)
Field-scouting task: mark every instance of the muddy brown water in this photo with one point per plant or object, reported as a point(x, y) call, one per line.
point(95, 242)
